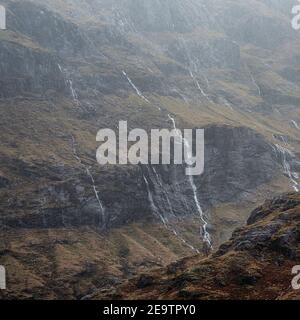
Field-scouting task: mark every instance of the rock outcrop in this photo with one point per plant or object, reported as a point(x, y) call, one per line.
point(256, 263)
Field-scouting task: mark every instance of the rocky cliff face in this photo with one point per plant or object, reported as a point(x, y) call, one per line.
point(227, 177)
point(28, 71)
point(69, 68)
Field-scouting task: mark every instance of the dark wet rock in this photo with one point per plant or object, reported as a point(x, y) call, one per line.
point(144, 281)
point(4, 182)
point(47, 29)
point(183, 280)
point(247, 279)
point(286, 242)
point(282, 203)
point(186, 294)
point(28, 71)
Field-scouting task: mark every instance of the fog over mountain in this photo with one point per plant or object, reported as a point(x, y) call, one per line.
point(71, 228)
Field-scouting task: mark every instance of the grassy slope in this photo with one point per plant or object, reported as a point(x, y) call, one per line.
point(246, 267)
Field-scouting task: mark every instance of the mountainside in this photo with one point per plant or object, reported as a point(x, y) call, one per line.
point(69, 68)
point(255, 263)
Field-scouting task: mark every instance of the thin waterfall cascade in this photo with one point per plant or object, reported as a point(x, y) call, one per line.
point(161, 185)
point(165, 220)
point(182, 96)
point(138, 92)
point(165, 203)
point(73, 91)
point(193, 68)
point(201, 89)
point(254, 82)
point(204, 231)
point(152, 204)
point(204, 94)
point(69, 83)
point(286, 155)
point(295, 124)
point(227, 103)
point(93, 183)
point(154, 208)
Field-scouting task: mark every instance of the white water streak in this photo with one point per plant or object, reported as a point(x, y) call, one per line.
point(284, 154)
point(163, 189)
point(152, 204)
point(138, 92)
point(163, 219)
point(60, 68)
point(89, 174)
point(204, 94)
point(183, 97)
point(227, 104)
point(295, 124)
point(69, 83)
point(206, 235)
point(73, 91)
point(254, 81)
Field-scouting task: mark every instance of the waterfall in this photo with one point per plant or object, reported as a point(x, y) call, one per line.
point(204, 94)
point(69, 83)
point(73, 91)
point(206, 235)
point(60, 68)
point(152, 204)
point(163, 219)
point(154, 208)
point(254, 81)
point(193, 67)
point(284, 154)
point(160, 182)
point(89, 174)
point(226, 103)
point(138, 92)
point(295, 124)
point(182, 96)
point(91, 177)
